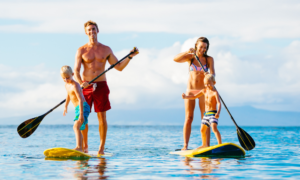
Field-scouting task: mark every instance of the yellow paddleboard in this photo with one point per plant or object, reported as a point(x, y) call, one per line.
point(60, 152)
point(220, 150)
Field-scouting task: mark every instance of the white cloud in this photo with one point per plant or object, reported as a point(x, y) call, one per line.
point(248, 20)
point(153, 80)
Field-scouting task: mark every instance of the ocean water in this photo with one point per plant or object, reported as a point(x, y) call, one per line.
point(142, 152)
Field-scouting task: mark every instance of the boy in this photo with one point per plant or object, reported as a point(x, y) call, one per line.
point(211, 114)
point(82, 109)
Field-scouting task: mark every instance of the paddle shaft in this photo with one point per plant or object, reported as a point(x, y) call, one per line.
point(219, 95)
point(112, 66)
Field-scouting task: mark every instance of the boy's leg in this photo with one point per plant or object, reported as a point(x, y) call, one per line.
point(78, 136)
point(216, 132)
point(204, 128)
point(202, 110)
point(85, 139)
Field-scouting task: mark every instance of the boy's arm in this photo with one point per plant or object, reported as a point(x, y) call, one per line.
point(219, 105)
point(80, 97)
point(66, 105)
point(199, 94)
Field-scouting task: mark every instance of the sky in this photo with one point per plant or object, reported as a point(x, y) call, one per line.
point(255, 46)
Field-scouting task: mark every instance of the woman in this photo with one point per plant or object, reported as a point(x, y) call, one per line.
point(195, 82)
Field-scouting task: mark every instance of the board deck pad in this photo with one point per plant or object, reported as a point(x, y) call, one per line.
point(60, 152)
point(220, 150)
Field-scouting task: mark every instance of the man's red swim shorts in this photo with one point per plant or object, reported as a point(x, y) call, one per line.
point(97, 93)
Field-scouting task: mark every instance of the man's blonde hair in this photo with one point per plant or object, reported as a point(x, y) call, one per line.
point(210, 77)
point(90, 23)
point(66, 70)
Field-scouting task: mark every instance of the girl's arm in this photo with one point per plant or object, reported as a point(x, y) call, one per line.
point(66, 105)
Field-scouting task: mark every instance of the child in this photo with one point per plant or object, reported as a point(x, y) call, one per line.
point(211, 114)
point(82, 109)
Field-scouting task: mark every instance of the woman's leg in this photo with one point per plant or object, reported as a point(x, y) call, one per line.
point(202, 110)
point(189, 115)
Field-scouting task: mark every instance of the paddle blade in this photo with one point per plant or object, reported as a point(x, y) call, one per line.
point(245, 139)
point(28, 127)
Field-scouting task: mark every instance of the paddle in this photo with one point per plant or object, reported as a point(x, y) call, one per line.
point(28, 127)
point(245, 139)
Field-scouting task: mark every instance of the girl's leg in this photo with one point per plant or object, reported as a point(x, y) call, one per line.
point(189, 115)
point(202, 110)
point(216, 132)
point(204, 128)
point(78, 136)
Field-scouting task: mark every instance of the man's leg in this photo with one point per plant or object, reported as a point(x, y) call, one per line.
point(102, 130)
point(85, 139)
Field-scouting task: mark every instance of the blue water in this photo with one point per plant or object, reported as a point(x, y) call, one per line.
point(142, 152)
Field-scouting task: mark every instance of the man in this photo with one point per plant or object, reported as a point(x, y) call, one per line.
point(93, 57)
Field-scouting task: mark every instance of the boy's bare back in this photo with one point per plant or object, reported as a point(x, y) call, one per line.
point(74, 92)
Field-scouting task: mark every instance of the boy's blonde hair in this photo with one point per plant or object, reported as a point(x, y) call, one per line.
point(91, 23)
point(210, 77)
point(66, 70)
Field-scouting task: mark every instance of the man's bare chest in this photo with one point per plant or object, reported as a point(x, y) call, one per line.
point(90, 56)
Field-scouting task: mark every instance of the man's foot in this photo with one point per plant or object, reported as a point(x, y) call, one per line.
point(101, 151)
point(203, 146)
point(78, 149)
point(86, 150)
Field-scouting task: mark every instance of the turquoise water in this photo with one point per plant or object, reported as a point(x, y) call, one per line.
point(142, 152)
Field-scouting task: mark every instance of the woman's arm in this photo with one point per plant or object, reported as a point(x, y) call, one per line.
point(184, 56)
point(211, 65)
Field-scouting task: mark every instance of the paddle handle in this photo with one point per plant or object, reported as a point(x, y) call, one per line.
point(219, 95)
point(112, 66)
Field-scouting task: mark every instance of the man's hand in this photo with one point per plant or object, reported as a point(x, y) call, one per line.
point(134, 52)
point(65, 111)
point(85, 84)
point(183, 96)
point(217, 115)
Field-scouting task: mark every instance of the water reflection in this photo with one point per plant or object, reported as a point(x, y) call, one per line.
point(203, 166)
point(88, 168)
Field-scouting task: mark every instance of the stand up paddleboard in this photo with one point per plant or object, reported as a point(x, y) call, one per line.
point(60, 152)
point(220, 150)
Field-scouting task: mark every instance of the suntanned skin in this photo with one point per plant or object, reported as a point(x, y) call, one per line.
point(212, 100)
point(93, 56)
point(76, 97)
point(195, 83)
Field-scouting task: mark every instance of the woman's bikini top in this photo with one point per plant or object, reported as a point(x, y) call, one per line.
point(193, 67)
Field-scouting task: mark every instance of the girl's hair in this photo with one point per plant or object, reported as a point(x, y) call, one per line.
point(205, 40)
